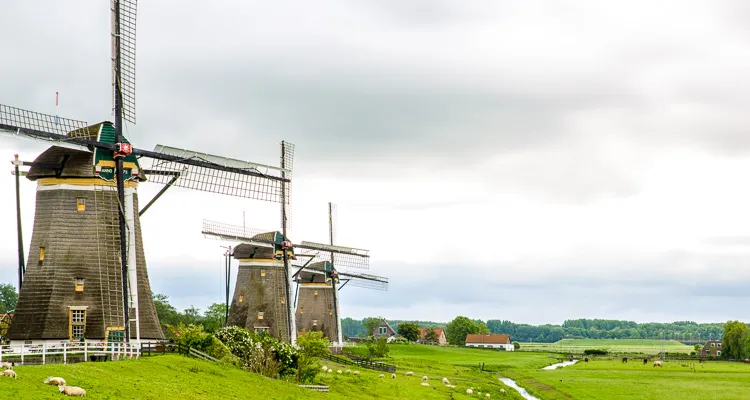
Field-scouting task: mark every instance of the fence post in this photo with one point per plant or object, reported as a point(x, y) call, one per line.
point(44, 353)
point(23, 348)
point(65, 354)
point(85, 351)
point(1, 353)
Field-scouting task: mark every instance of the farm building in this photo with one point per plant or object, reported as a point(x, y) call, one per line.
point(440, 332)
point(712, 348)
point(494, 341)
point(383, 330)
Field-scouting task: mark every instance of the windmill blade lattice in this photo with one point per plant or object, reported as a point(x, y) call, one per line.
point(127, 12)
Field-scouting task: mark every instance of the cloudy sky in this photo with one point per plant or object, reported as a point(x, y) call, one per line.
point(529, 160)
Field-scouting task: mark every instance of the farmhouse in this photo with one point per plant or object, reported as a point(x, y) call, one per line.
point(441, 339)
point(383, 330)
point(494, 341)
point(712, 348)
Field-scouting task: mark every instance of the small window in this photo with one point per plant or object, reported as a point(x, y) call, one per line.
point(283, 301)
point(262, 273)
point(316, 293)
point(81, 204)
point(719, 345)
point(260, 314)
point(718, 353)
point(77, 324)
point(330, 312)
point(302, 310)
point(77, 332)
point(382, 330)
point(79, 284)
point(315, 322)
point(261, 329)
point(713, 344)
point(241, 298)
point(41, 254)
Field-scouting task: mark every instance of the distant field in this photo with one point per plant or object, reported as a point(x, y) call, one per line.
point(646, 346)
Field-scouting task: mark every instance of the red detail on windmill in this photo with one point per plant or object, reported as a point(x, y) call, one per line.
point(286, 244)
point(123, 149)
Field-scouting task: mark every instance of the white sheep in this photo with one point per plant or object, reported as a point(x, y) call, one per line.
point(330, 370)
point(339, 372)
point(410, 373)
point(9, 372)
point(393, 376)
point(424, 378)
point(355, 372)
point(502, 391)
point(54, 381)
point(72, 391)
point(6, 365)
point(451, 386)
point(487, 395)
point(381, 376)
point(445, 381)
point(469, 392)
point(348, 371)
point(479, 394)
point(325, 368)
point(425, 384)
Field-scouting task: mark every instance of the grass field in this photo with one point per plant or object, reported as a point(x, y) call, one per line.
point(176, 377)
point(646, 346)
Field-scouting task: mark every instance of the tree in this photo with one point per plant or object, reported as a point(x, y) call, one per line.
point(8, 298)
point(370, 324)
point(457, 330)
point(516, 345)
point(312, 345)
point(431, 336)
point(409, 330)
point(733, 341)
point(697, 347)
point(213, 318)
point(166, 312)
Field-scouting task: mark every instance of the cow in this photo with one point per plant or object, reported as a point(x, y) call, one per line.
point(624, 360)
point(645, 361)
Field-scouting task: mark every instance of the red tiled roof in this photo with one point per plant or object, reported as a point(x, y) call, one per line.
point(438, 331)
point(488, 339)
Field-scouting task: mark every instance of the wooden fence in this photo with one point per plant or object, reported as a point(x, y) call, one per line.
point(36, 354)
point(376, 365)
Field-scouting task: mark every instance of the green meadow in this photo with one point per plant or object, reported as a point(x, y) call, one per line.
point(178, 377)
point(645, 346)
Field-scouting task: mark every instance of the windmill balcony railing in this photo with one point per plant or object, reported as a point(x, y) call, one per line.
point(64, 352)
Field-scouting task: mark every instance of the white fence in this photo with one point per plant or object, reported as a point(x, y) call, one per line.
point(56, 352)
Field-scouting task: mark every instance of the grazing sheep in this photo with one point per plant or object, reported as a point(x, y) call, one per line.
point(10, 373)
point(424, 378)
point(348, 371)
point(747, 361)
point(381, 376)
point(6, 365)
point(487, 395)
point(469, 392)
point(410, 373)
point(393, 376)
point(502, 391)
point(445, 381)
point(330, 370)
point(355, 372)
point(54, 381)
point(339, 372)
point(325, 368)
point(72, 391)
point(658, 363)
point(425, 384)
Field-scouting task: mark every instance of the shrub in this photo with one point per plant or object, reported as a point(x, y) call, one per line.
point(260, 353)
point(377, 348)
point(595, 352)
point(312, 345)
point(192, 336)
point(516, 345)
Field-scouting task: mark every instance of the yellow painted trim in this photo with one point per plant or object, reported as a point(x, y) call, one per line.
point(314, 284)
point(111, 163)
point(82, 182)
point(260, 260)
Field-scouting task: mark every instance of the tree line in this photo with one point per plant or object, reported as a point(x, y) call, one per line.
point(574, 329)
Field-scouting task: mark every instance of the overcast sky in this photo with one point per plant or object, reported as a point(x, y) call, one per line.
point(531, 160)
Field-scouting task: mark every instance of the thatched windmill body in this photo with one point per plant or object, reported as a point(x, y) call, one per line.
point(86, 277)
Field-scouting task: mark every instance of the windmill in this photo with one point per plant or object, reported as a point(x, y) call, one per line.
point(261, 298)
point(317, 301)
point(86, 276)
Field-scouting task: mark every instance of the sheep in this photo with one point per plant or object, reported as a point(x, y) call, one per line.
point(325, 368)
point(487, 395)
point(658, 363)
point(72, 391)
point(425, 384)
point(330, 370)
point(381, 376)
point(339, 371)
point(348, 371)
point(410, 373)
point(355, 372)
point(445, 381)
point(425, 378)
point(502, 391)
point(54, 381)
point(747, 361)
point(393, 376)
point(469, 392)
point(6, 365)
point(10, 373)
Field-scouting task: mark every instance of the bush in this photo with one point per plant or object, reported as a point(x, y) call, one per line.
point(312, 345)
point(377, 348)
point(595, 352)
point(260, 353)
point(192, 336)
point(516, 345)
point(356, 351)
